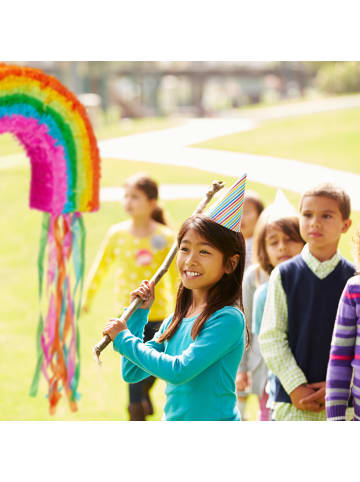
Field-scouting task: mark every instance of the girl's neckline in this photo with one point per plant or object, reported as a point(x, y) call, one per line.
point(148, 236)
point(194, 316)
point(190, 318)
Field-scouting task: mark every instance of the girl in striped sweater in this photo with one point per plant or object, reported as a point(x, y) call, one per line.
point(343, 373)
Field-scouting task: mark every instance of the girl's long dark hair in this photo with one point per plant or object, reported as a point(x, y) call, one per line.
point(227, 291)
point(288, 225)
point(150, 188)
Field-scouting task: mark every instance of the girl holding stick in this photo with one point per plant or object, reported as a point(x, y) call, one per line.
point(197, 349)
point(277, 238)
point(137, 247)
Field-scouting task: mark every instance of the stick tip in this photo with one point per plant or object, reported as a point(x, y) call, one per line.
point(96, 354)
point(218, 185)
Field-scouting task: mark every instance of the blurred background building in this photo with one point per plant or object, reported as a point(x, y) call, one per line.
point(112, 89)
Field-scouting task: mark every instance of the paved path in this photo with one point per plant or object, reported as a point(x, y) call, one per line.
point(283, 173)
point(173, 147)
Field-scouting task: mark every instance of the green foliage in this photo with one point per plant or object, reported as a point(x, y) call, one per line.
point(339, 77)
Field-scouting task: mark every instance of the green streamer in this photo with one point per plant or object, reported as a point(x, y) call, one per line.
point(36, 378)
point(78, 250)
point(40, 356)
point(43, 242)
point(75, 383)
point(79, 240)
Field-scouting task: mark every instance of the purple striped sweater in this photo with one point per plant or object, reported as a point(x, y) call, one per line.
point(343, 373)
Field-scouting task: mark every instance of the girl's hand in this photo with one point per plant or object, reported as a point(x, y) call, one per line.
point(114, 327)
point(242, 381)
point(146, 293)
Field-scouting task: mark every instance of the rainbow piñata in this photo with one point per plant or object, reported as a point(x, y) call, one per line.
point(53, 127)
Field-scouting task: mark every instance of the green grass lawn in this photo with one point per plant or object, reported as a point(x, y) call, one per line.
point(9, 145)
point(104, 394)
point(329, 139)
point(126, 127)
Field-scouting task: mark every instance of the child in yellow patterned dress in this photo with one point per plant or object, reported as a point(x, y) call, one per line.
point(137, 246)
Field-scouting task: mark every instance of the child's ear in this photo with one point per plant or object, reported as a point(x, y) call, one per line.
point(232, 263)
point(346, 225)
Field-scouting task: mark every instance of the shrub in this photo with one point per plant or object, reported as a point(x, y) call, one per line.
point(339, 77)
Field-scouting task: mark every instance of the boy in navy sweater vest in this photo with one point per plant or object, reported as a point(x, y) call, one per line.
point(301, 306)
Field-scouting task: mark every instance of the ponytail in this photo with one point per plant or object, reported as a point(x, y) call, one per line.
point(158, 215)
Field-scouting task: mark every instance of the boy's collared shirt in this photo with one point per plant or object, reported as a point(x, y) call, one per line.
point(274, 340)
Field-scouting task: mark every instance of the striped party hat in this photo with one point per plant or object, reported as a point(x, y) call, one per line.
point(228, 211)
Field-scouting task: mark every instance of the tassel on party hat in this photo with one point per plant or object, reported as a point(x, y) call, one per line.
point(280, 208)
point(228, 211)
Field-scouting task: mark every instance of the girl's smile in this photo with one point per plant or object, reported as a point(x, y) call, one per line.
point(191, 274)
point(199, 263)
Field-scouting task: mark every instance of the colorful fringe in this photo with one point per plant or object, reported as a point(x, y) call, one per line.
point(63, 239)
point(54, 129)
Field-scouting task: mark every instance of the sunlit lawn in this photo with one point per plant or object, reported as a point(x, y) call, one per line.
point(126, 127)
point(330, 139)
point(104, 394)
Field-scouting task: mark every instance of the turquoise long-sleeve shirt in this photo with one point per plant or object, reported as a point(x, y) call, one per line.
point(259, 306)
point(200, 373)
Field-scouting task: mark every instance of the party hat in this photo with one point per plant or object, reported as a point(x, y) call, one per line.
point(228, 210)
point(280, 208)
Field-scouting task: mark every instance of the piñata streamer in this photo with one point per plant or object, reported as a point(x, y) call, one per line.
point(53, 128)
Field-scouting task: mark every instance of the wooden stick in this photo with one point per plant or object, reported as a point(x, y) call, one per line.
point(99, 347)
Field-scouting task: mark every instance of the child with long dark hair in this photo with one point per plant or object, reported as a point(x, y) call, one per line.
point(277, 239)
point(137, 247)
point(197, 349)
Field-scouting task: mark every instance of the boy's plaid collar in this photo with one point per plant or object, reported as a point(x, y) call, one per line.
point(320, 268)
